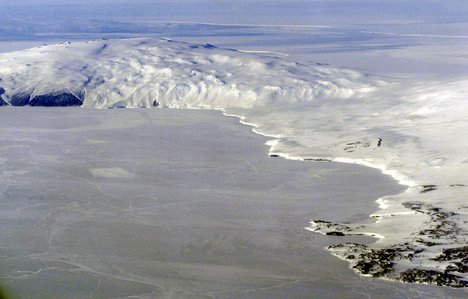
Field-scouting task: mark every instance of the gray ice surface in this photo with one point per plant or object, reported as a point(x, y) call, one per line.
point(160, 203)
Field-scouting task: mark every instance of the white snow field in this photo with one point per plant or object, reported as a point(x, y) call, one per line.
point(412, 130)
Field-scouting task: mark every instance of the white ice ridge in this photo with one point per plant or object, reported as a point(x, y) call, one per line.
point(413, 131)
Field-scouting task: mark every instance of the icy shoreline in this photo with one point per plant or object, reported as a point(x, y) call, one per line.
point(379, 262)
point(314, 112)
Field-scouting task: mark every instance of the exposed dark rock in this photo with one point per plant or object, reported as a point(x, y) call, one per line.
point(457, 267)
point(317, 160)
point(427, 188)
point(414, 205)
point(377, 262)
point(321, 221)
point(379, 142)
point(2, 102)
point(335, 233)
point(457, 185)
point(101, 49)
point(442, 229)
point(52, 99)
point(413, 254)
point(380, 262)
point(93, 81)
point(453, 253)
point(20, 99)
point(209, 46)
point(428, 243)
point(437, 214)
point(352, 146)
point(439, 226)
point(274, 156)
point(155, 103)
point(433, 277)
point(56, 99)
point(329, 228)
point(118, 106)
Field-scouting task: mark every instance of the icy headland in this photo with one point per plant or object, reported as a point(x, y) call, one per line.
point(414, 131)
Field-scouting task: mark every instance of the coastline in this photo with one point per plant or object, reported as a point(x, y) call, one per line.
point(377, 260)
point(260, 231)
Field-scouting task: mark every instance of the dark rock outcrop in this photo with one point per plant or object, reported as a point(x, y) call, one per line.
point(20, 99)
point(56, 99)
point(317, 159)
point(454, 253)
point(2, 102)
point(433, 277)
point(428, 188)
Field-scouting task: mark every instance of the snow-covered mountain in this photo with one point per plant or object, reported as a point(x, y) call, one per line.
point(142, 72)
point(414, 131)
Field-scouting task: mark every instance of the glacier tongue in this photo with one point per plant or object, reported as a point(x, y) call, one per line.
point(414, 131)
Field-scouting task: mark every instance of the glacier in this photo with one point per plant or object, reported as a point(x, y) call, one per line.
point(412, 130)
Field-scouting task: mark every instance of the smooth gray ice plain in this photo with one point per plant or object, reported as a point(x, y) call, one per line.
point(161, 203)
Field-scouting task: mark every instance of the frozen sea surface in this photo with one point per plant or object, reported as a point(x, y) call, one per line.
point(156, 203)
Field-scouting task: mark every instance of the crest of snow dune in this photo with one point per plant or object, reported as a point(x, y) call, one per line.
point(142, 72)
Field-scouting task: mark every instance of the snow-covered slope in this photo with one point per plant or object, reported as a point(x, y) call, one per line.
point(414, 131)
point(137, 72)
